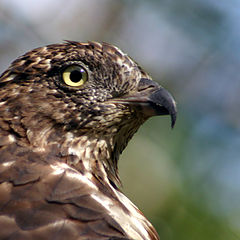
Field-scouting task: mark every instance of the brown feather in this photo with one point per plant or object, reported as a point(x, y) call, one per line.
point(59, 145)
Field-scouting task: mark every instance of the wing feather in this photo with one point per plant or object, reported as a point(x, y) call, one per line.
point(39, 200)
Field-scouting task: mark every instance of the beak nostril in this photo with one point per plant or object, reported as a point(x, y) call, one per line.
point(143, 88)
point(145, 84)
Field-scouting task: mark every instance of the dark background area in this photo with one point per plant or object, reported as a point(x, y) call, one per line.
point(186, 180)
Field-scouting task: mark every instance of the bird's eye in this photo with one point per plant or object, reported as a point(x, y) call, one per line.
point(75, 76)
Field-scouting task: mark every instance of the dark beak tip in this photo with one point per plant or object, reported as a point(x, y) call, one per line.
point(173, 113)
point(173, 118)
point(163, 98)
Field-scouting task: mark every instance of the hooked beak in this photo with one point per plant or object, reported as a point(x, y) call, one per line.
point(153, 100)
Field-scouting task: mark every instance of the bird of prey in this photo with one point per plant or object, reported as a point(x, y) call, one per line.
point(67, 111)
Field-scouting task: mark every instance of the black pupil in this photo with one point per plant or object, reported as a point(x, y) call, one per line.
point(75, 76)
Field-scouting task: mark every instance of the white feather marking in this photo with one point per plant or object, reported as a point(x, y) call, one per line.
point(60, 168)
point(57, 170)
point(44, 49)
point(102, 200)
point(82, 152)
point(11, 138)
point(8, 164)
point(48, 63)
point(76, 151)
point(59, 223)
point(38, 59)
point(135, 214)
point(7, 220)
point(9, 78)
point(69, 136)
point(134, 223)
point(137, 219)
point(88, 153)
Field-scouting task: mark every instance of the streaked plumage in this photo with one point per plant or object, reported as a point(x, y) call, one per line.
point(60, 141)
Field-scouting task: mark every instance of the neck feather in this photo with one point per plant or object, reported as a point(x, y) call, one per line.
point(88, 151)
point(92, 154)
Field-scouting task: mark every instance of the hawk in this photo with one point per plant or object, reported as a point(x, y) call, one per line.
point(67, 111)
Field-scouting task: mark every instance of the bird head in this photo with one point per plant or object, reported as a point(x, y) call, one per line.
point(86, 98)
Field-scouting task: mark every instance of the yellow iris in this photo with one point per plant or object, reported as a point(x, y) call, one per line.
point(75, 76)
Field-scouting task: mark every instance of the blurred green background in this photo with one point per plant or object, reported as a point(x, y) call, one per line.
point(186, 180)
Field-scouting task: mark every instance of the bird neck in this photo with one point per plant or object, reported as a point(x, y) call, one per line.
point(92, 154)
point(95, 151)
